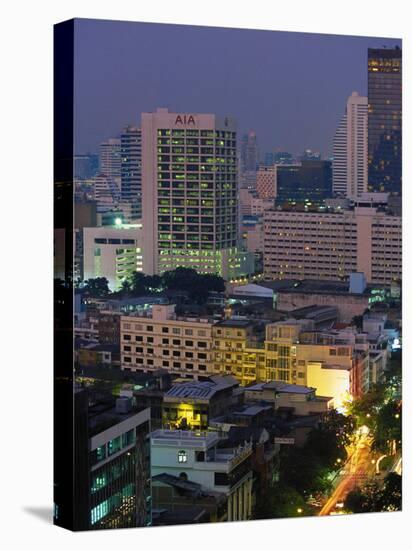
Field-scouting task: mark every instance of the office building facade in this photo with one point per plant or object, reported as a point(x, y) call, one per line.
point(190, 211)
point(109, 157)
point(309, 182)
point(385, 120)
point(131, 167)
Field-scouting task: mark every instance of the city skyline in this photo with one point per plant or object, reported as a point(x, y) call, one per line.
point(292, 92)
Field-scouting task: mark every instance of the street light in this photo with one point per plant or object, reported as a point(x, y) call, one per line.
point(299, 510)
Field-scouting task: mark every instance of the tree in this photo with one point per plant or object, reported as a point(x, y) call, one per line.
point(388, 426)
point(283, 501)
point(97, 288)
point(373, 498)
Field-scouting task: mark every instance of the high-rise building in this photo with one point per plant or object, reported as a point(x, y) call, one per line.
point(350, 149)
point(332, 245)
point(110, 158)
point(131, 166)
point(385, 120)
point(309, 182)
point(189, 179)
point(266, 182)
point(308, 154)
point(249, 158)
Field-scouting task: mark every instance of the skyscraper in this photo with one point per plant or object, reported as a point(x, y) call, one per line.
point(350, 171)
point(131, 167)
point(189, 182)
point(248, 153)
point(385, 120)
point(110, 158)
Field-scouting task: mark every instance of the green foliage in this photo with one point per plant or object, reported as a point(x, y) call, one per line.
point(375, 498)
point(283, 501)
point(97, 288)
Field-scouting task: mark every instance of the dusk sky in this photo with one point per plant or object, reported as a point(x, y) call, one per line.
point(290, 88)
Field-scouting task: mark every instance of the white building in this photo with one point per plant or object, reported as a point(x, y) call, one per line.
point(112, 252)
point(350, 149)
point(189, 186)
point(197, 457)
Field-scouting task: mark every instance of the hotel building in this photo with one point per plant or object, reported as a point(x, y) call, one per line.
point(189, 183)
point(331, 245)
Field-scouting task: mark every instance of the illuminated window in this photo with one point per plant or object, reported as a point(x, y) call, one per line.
point(182, 456)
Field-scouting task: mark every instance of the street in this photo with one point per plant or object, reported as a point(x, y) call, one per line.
point(357, 470)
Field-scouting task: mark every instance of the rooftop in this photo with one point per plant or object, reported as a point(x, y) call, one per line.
point(202, 390)
point(280, 387)
point(234, 323)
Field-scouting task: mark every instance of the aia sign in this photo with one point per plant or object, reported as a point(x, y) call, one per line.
point(185, 119)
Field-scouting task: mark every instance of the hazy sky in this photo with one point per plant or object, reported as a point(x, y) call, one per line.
point(290, 88)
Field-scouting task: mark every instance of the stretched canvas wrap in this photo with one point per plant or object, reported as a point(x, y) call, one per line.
point(227, 249)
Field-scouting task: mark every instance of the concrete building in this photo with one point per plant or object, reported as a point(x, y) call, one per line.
point(299, 400)
point(191, 405)
point(182, 345)
point(266, 182)
point(196, 457)
point(116, 464)
point(189, 180)
point(249, 157)
point(131, 168)
point(110, 159)
point(112, 252)
point(239, 349)
point(331, 245)
point(253, 205)
point(337, 294)
point(350, 149)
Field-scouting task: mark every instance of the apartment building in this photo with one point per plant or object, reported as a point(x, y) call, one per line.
point(331, 245)
point(196, 456)
point(182, 345)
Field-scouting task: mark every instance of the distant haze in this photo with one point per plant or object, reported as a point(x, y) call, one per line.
point(290, 88)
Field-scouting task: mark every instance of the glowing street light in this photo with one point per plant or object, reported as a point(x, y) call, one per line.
point(299, 510)
point(118, 221)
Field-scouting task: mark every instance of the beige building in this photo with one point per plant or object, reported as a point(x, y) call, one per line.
point(181, 345)
point(331, 245)
point(266, 182)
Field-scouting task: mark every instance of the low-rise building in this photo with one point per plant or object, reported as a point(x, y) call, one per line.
point(182, 345)
point(300, 400)
point(191, 405)
point(196, 456)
